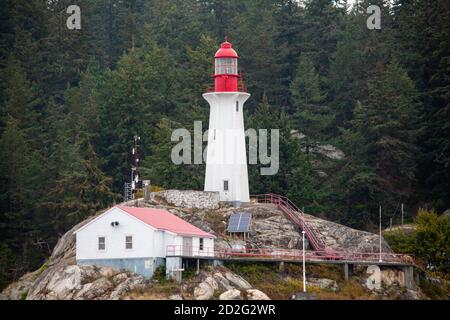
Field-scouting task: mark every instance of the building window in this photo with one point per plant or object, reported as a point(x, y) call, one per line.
point(101, 243)
point(214, 134)
point(128, 242)
point(237, 106)
point(225, 185)
point(201, 244)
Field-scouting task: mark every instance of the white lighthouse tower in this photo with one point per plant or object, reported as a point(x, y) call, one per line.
point(226, 159)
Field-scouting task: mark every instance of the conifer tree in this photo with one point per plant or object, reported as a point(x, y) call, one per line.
point(388, 122)
point(312, 117)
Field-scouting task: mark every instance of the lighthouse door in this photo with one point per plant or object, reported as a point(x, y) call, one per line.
point(226, 190)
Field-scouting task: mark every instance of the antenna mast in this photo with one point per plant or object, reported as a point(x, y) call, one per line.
point(130, 187)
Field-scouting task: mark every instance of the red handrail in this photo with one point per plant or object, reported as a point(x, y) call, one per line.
point(296, 215)
point(286, 254)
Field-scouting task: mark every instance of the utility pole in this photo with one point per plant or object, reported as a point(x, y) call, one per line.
point(402, 214)
point(304, 263)
point(390, 225)
point(381, 260)
point(135, 167)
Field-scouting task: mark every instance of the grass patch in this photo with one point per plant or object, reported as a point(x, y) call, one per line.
point(434, 291)
point(42, 269)
point(24, 295)
point(349, 290)
point(215, 221)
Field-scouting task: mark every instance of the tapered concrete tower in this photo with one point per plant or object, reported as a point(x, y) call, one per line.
point(226, 159)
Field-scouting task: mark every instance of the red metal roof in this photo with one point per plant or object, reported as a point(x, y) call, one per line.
point(226, 51)
point(164, 220)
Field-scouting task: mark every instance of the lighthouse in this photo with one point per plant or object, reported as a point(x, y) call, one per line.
point(226, 159)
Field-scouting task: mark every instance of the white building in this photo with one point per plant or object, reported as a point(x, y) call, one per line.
point(140, 240)
point(226, 159)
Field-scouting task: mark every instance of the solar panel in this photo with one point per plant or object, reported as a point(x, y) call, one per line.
point(239, 222)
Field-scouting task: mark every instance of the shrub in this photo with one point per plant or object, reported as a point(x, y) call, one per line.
point(429, 241)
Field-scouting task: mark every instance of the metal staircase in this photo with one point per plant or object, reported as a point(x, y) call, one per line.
point(296, 215)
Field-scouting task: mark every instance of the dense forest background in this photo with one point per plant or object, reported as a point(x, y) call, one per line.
point(72, 100)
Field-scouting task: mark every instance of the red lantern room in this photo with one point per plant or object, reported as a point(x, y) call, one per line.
point(226, 69)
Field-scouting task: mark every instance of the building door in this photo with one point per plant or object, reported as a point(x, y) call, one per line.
point(226, 190)
point(187, 247)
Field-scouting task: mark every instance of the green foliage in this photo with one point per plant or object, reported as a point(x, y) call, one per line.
point(160, 274)
point(429, 241)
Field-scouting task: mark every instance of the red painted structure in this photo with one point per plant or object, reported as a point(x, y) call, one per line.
point(164, 220)
point(291, 255)
point(226, 76)
point(320, 252)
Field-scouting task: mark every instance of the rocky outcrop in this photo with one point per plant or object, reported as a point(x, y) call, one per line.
point(323, 283)
point(255, 294)
point(328, 151)
point(85, 283)
point(232, 294)
point(222, 280)
point(340, 237)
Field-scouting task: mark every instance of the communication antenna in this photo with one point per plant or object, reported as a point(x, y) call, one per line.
point(130, 187)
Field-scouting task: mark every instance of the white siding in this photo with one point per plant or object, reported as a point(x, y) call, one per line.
point(226, 154)
point(208, 247)
point(144, 239)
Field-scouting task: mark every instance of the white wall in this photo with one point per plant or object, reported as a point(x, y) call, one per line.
point(208, 247)
point(226, 154)
point(145, 239)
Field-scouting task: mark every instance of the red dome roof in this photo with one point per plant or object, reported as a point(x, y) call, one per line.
point(226, 51)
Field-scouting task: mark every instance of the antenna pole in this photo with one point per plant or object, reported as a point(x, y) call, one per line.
point(304, 262)
point(381, 260)
point(402, 213)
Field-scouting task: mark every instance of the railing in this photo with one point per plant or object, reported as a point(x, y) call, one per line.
point(321, 252)
point(276, 254)
point(173, 250)
point(296, 215)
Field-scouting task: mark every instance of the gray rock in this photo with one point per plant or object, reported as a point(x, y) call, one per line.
point(328, 151)
point(203, 291)
point(304, 296)
point(232, 294)
point(237, 281)
point(254, 294)
point(222, 282)
point(322, 283)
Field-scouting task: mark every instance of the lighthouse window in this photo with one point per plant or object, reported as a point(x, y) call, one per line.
point(226, 66)
point(237, 106)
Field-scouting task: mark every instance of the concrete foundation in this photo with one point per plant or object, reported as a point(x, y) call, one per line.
point(174, 267)
point(348, 270)
point(142, 266)
point(409, 277)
